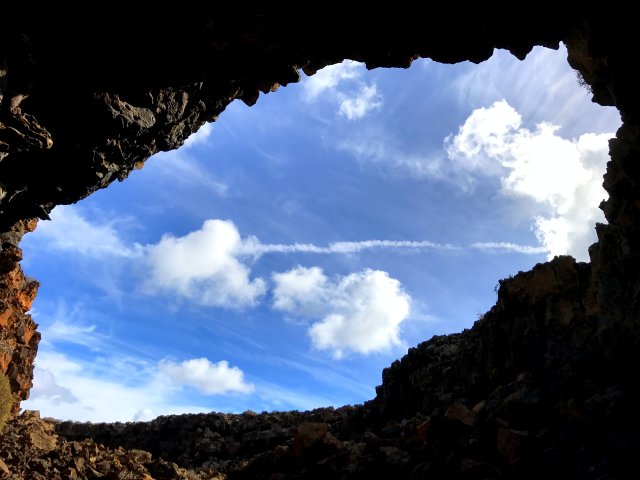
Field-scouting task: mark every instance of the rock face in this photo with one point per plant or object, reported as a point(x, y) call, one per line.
point(18, 336)
point(544, 384)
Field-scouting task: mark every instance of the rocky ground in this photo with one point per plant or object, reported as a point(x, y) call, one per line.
point(30, 449)
point(544, 384)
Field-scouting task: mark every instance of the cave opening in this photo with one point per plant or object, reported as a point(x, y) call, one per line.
point(377, 209)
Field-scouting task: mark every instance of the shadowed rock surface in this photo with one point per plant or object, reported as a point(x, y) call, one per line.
point(544, 385)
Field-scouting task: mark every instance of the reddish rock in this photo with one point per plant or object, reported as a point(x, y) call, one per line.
point(422, 430)
point(312, 438)
point(18, 336)
point(4, 470)
point(479, 407)
point(510, 443)
point(457, 412)
point(5, 314)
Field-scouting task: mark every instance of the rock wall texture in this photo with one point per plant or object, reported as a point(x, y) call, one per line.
point(546, 382)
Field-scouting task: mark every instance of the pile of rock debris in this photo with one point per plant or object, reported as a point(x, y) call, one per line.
point(30, 449)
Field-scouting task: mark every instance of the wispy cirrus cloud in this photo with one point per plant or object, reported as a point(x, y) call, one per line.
point(71, 231)
point(343, 85)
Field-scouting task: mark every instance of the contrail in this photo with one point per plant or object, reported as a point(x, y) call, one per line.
point(252, 246)
point(509, 247)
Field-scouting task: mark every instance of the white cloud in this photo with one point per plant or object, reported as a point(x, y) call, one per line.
point(77, 333)
point(113, 383)
point(48, 389)
point(343, 85)
point(203, 266)
point(482, 137)
point(367, 99)
point(329, 77)
point(563, 175)
point(359, 313)
point(301, 290)
point(123, 388)
point(209, 378)
point(541, 88)
point(70, 231)
point(210, 266)
point(200, 136)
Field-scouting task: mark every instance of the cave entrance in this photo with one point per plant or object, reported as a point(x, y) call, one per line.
point(286, 254)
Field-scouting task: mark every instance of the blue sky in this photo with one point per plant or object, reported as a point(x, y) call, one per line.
point(290, 251)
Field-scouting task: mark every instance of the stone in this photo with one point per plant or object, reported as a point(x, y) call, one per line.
point(310, 437)
point(394, 456)
point(479, 407)
point(4, 470)
point(510, 443)
point(139, 456)
point(422, 430)
point(457, 412)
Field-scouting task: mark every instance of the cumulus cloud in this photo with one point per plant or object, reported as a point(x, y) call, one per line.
point(207, 377)
point(359, 313)
point(122, 388)
point(482, 138)
point(343, 85)
point(70, 231)
point(562, 175)
point(204, 267)
point(301, 290)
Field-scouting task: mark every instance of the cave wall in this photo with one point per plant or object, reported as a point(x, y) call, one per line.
point(86, 97)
